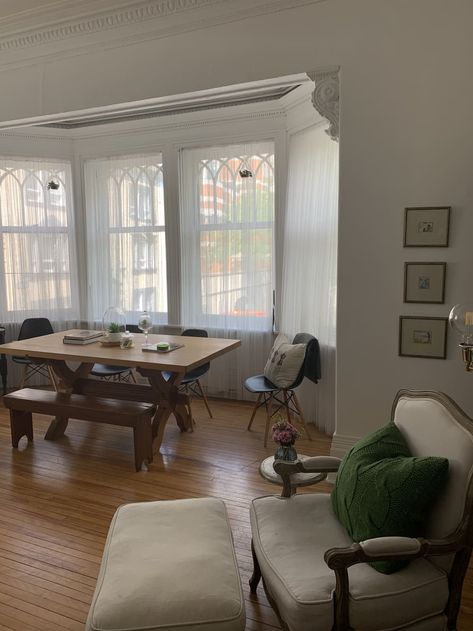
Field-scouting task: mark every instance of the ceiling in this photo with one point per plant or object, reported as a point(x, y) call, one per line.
point(9, 8)
point(16, 9)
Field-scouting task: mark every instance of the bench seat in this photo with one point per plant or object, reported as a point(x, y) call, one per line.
point(23, 403)
point(169, 566)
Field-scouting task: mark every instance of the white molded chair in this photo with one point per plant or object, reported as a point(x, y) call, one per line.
point(316, 578)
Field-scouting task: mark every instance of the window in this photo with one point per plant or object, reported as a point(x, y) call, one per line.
point(227, 228)
point(126, 236)
point(38, 273)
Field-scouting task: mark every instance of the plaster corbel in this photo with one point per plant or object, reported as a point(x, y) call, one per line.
point(326, 99)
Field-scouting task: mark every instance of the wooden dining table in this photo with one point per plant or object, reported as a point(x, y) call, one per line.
point(164, 393)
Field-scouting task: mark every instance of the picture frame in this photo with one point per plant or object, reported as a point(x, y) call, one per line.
point(423, 337)
point(427, 227)
point(424, 282)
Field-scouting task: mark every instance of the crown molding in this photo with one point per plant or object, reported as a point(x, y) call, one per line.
point(177, 122)
point(14, 37)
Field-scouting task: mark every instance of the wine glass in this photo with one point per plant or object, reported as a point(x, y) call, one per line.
point(145, 324)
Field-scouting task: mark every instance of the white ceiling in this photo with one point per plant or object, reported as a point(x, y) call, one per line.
point(9, 8)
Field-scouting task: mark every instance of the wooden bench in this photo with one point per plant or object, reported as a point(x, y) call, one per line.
point(23, 403)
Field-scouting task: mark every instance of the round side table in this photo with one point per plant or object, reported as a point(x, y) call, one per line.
point(297, 479)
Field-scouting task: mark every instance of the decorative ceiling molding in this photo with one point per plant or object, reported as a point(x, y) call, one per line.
point(13, 38)
point(326, 99)
point(104, 21)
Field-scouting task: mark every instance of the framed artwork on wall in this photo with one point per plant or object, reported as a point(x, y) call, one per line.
point(424, 282)
point(426, 227)
point(423, 337)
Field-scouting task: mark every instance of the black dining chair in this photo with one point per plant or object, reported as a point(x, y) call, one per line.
point(191, 380)
point(34, 327)
point(115, 373)
point(274, 398)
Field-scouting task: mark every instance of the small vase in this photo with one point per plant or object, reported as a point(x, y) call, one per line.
point(286, 452)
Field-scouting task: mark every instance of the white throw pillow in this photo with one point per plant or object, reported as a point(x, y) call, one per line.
point(284, 363)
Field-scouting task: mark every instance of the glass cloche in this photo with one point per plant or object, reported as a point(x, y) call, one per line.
point(114, 322)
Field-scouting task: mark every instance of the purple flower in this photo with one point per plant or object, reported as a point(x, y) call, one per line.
point(284, 433)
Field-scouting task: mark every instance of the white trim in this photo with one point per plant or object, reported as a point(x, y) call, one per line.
point(211, 96)
point(341, 444)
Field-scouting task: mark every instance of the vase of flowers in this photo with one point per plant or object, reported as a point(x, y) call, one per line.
point(285, 435)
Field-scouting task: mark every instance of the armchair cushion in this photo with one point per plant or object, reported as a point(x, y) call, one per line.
point(284, 363)
point(291, 536)
point(381, 490)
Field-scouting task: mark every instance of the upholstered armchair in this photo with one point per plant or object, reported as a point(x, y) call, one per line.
point(316, 578)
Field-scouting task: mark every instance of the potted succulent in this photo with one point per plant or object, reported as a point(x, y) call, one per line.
point(114, 332)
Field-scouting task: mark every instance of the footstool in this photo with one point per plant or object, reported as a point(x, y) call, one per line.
point(169, 565)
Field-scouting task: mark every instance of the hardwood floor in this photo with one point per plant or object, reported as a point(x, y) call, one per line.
point(57, 500)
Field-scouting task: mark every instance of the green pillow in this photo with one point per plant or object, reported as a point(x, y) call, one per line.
point(382, 490)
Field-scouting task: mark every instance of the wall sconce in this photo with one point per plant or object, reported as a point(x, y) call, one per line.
point(461, 320)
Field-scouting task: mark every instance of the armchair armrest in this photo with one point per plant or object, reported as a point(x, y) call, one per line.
point(321, 464)
point(392, 548)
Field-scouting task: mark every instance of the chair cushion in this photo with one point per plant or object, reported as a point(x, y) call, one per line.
point(259, 383)
point(290, 537)
point(285, 362)
point(105, 370)
point(169, 565)
point(381, 490)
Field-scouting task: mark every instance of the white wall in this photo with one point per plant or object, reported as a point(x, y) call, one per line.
point(407, 96)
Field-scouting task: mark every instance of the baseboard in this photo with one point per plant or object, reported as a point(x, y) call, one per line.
point(341, 444)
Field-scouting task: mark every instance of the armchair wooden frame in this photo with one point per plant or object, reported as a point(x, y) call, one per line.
point(459, 544)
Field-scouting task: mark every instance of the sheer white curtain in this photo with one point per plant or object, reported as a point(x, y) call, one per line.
point(126, 241)
point(38, 272)
point(227, 266)
point(310, 261)
point(38, 263)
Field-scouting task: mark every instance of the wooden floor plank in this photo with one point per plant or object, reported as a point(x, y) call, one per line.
point(57, 500)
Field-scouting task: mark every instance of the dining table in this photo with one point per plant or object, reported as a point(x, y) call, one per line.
point(163, 372)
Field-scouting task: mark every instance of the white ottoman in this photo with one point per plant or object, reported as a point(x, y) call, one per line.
point(169, 565)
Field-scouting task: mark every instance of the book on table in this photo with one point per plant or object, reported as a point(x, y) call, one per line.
point(78, 336)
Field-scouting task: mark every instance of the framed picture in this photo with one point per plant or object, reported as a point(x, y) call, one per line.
point(426, 227)
point(423, 337)
point(424, 282)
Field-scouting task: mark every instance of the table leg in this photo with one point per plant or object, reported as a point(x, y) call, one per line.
point(3, 361)
point(3, 372)
point(64, 379)
point(170, 401)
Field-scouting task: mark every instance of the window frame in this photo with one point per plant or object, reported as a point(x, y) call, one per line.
point(132, 315)
point(234, 322)
point(68, 313)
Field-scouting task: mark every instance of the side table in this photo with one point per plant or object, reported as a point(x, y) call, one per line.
point(3, 362)
point(298, 479)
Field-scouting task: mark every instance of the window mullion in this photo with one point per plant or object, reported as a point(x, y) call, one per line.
point(173, 235)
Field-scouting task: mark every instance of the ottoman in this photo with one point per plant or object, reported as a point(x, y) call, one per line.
point(169, 565)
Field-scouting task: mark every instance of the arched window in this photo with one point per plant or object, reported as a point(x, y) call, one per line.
point(38, 267)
